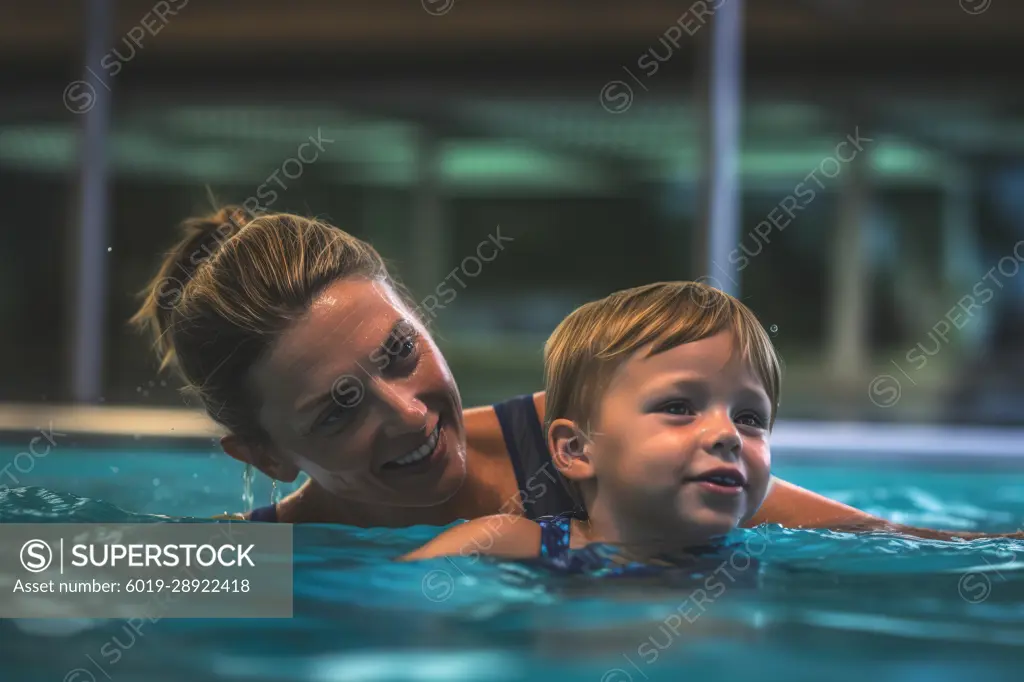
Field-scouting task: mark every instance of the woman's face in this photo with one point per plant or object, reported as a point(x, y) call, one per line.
point(356, 394)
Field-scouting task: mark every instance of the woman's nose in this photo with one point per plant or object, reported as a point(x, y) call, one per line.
point(404, 412)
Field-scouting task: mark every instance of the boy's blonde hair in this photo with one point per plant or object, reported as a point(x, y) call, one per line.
point(595, 339)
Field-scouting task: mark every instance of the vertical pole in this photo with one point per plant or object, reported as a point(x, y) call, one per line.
point(851, 280)
point(91, 272)
point(960, 254)
point(722, 117)
point(428, 252)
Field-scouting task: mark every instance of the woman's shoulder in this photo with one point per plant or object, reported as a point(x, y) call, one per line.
point(483, 425)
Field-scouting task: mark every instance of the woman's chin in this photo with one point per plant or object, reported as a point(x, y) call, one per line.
point(430, 481)
point(451, 479)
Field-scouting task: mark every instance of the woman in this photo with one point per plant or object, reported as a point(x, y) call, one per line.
point(299, 342)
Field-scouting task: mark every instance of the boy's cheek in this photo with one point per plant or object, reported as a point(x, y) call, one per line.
point(657, 474)
point(636, 472)
point(757, 493)
point(757, 457)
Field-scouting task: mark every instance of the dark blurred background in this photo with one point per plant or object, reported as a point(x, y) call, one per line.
point(584, 129)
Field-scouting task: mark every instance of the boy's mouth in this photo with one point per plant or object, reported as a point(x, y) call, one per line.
point(721, 479)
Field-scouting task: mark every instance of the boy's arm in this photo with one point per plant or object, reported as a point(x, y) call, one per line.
point(503, 535)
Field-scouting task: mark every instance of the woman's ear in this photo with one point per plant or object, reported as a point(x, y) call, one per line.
point(259, 456)
point(570, 450)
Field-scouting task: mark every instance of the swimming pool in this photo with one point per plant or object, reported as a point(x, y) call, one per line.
point(795, 605)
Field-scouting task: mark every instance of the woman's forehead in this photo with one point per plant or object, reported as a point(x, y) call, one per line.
point(342, 330)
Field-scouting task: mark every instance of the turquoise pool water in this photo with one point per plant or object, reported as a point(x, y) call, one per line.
point(794, 605)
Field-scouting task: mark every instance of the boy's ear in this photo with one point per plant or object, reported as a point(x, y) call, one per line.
point(570, 450)
point(259, 456)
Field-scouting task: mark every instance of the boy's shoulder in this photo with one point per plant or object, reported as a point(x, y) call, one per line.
point(504, 535)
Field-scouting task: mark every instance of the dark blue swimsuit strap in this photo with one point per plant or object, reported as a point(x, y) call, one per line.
point(266, 514)
point(540, 486)
point(520, 428)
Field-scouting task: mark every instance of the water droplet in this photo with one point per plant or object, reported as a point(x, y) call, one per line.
point(114, 469)
point(151, 384)
point(109, 249)
point(145, 394)
point(156, 481)
point(206, 488)
point(137, 437)
point(163, 383)
point(774, 329)
point(195, 475)
point(138, 389)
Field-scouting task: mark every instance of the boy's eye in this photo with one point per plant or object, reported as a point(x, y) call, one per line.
point(751, 419)
point(677, 407)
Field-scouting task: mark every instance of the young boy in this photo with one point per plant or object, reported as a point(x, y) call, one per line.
point(660, 401)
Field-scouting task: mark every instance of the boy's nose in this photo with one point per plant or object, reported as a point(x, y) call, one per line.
point(720, 437)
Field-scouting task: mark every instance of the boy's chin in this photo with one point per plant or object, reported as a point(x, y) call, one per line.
point(706, 525)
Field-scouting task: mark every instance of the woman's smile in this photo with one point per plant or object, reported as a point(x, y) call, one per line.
point(422, 458)
point(419, 453)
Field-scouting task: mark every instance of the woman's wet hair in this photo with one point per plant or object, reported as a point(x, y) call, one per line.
point(230, 286)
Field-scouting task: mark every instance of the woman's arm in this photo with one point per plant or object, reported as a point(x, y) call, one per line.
point(794, 507)
point(503, 535)
point(948, 535)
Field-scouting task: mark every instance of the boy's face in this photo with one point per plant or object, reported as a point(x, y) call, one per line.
point(683, 445)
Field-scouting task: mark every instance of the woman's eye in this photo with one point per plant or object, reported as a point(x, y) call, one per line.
point(401, 355)
point(336, 415)
point(404, 347)
point(677, 407)
point(407, 347)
